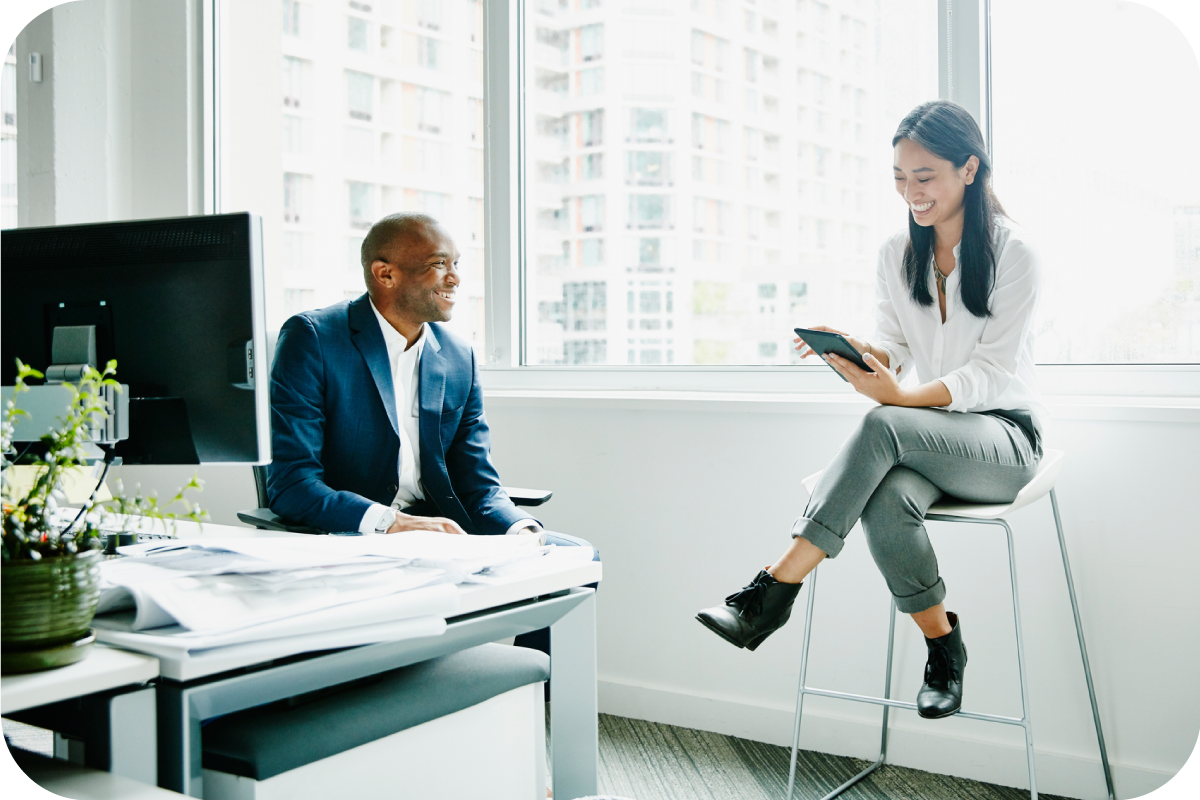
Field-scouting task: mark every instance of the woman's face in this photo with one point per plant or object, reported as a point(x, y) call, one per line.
point(931, 186)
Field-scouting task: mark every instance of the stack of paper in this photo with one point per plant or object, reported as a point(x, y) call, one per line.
point(186, 597)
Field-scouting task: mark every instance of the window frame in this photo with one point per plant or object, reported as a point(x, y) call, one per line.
point(964, 75)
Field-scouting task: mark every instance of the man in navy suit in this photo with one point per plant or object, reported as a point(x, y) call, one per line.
point(376, 409)
point(377, 419)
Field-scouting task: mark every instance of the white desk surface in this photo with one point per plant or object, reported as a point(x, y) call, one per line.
point(104, 668)
point(570, 572)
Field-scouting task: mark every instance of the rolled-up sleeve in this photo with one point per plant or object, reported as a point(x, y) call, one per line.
point(993, 362)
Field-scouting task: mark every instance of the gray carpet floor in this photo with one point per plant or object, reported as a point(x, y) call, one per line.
point(649, 761)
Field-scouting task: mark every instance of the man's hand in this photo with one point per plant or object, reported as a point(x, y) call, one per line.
point(408, 522)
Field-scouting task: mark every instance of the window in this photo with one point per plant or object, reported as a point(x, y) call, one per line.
point(591, 167)
point(1121, 260)
point(591, 128)
point(295, 193)
point(591, 81)
point(361, 205)
point(360, 95)
point(385, 114)
point(591, 253)
point(357, 34)
point(291, 18)
point(8, 141)
point(591, 212)
point(294, 81)
point(649, 211)
point(591, 42)
point(649, 168)
point(709, 167)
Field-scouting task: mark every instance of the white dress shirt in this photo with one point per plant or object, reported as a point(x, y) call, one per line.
point(405, 362)
point(986, 363)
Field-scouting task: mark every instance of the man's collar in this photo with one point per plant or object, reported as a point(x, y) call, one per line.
point(391, 336)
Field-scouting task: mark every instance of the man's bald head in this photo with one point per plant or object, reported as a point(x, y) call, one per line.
point(392, 233)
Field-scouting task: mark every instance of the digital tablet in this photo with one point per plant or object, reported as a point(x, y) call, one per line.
point(823, 342)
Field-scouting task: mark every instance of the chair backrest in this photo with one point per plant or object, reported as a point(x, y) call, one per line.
point(260, 484)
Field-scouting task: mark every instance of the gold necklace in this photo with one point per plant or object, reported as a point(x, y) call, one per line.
point(940, 278)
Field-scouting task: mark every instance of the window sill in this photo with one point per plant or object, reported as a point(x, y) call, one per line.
point(1062, 407)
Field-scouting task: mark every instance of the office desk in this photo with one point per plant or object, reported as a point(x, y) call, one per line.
point(120, 730)
point(194, 689)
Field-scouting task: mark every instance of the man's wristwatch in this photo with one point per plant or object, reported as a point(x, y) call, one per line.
point(385, 521)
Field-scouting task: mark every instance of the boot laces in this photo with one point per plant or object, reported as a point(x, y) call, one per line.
point(939, 668)
point(749, 598)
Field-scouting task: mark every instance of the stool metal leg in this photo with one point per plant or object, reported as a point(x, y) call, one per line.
point(887, 694)
point(1087, 669)
point(808, 615)
point(1025, 704)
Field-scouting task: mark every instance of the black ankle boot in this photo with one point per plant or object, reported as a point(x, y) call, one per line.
point(751, 615)
point(941, 694)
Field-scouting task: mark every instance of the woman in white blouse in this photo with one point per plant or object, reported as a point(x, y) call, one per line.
point(956, 294)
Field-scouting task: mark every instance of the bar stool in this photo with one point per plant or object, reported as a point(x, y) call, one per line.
point(1042, 483)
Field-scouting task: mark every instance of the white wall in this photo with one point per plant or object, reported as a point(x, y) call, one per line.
point(686, 501)
point(114, 129)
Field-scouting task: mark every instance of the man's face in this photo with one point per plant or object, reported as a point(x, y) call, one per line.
point(420, 275)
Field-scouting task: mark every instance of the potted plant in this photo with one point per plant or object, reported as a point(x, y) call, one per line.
point(49, 576)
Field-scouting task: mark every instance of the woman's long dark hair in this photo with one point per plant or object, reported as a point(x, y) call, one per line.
point(948, 131)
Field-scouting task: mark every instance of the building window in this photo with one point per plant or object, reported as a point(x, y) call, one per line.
point(649, 211)
point(291, 18)
point(295, 73)
point(294, 198)
point(648, 125)
point(357, 34)
point(361, 204)
point(591, 128)
point(360, 95)
point(649, 168)
point(591, 42)
point(591, 212)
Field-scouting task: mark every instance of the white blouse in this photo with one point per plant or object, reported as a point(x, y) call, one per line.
point(985, 363)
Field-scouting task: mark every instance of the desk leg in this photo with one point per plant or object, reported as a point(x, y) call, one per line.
point(574, 732)
point(133, 736)
point(179, 753)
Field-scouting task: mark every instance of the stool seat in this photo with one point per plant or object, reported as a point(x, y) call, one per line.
point(1047, 473)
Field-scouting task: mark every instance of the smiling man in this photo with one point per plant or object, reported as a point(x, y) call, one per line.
point(377, 421)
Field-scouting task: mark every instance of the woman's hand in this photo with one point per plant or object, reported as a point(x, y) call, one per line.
point(881, 385)
point(806, 351)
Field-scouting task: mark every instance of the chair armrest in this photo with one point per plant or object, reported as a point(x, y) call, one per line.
point(527, 497)
point(267, 520)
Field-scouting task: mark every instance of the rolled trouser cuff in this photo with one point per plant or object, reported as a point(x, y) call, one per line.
point(914, 603)
point(828, 541)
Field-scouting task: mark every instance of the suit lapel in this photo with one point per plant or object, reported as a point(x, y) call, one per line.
point(433, 389)
point(368, 338)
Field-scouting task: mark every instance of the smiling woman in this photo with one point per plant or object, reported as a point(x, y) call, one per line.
point(971, 428)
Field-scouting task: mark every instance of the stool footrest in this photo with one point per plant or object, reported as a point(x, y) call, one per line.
point(883, 701)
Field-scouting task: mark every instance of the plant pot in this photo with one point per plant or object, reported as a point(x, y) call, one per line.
point(46, 608)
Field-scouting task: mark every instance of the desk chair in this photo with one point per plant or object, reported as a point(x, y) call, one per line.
point(957, 511)
point(266, 519)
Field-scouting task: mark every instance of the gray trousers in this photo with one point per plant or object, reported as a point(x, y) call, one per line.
point(897, 464)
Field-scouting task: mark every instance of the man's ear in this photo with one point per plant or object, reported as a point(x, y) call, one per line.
point(383, 273)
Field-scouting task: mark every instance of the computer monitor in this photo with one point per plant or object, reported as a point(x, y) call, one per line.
point(177, 302)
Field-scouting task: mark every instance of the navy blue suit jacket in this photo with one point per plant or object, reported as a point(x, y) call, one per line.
point(334, 435)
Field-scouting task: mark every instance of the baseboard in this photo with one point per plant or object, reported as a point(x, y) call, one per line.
point(909, 744)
